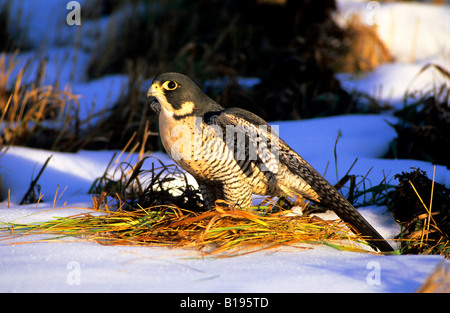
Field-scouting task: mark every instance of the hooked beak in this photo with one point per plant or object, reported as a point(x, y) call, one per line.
point(155, 91)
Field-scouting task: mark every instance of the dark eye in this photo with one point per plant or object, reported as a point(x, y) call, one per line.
point(170, 85)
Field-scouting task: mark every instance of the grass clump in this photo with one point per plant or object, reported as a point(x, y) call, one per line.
point(363, 50)
point(424, 122)
point(131, 188)
point(422, 207)
point(34, 115)
point(221, 230)
point(153, 208)
point(44, 116)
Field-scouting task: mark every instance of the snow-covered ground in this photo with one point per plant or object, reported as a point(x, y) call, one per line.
point(74, 265)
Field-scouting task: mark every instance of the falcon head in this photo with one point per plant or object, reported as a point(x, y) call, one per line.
point(180, 96)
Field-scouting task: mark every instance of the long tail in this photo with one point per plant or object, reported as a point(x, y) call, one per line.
point(333, 200)
point(330, 198)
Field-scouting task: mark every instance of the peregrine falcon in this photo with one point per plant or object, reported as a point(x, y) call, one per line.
point(233, 154)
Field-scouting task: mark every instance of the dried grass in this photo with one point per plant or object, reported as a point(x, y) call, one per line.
point(425, 224)
point(158, 207)
point(46, 117)
point(424, 121)
point(364, 49)
point(438, 281)
point(221, 231)
point(28, 109)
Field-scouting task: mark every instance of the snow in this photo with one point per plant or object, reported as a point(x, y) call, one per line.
point(415, 34)
point(53, 268)
point(74, 265)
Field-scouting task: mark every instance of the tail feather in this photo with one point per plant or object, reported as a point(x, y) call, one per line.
point(330, 198)
point(356, 221)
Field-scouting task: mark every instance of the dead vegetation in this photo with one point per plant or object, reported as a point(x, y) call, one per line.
point(132, 187)
point(222, 231)
point(363, 49)
point(151, 207)
point(422, 207)
point(157, 206)
point(34, 115)
point(424, 122)
point(438, 281)
point(46, 117)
